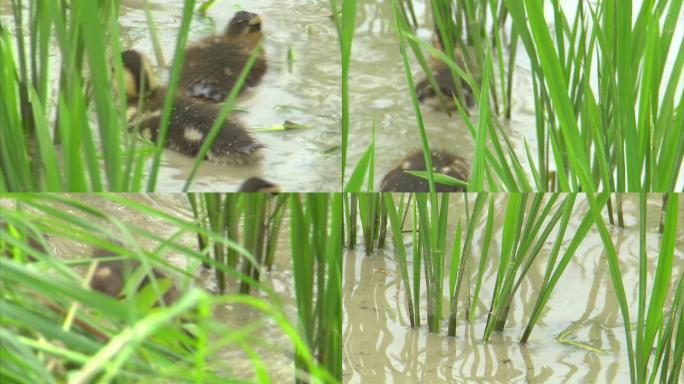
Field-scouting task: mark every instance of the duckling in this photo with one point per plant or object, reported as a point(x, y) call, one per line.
point(190, 122)
point(444, 79)
point(110, 276)
point(397, 180)
point(213, 65)
point(256, 184)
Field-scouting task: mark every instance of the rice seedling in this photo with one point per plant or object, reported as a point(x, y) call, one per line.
point(534, 231)
point(221, 213)
point(370, 212)
point(316, 240)
point(460, 257)
point(54, 327)
point(73, 134)
point(667, 361)
point(344, 17)
point(400, 252)
point(607, 84)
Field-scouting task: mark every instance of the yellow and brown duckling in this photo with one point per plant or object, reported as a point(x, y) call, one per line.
point(257, 184)
point(190, 122)
point(110, 276)
point(445, 79)
point(398, 180)
point(212, 65)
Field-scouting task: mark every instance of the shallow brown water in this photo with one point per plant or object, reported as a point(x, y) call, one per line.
point(380, 346)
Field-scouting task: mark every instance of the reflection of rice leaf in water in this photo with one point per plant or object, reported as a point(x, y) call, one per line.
point(290, 59)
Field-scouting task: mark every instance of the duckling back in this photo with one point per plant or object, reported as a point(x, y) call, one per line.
point(190, 121)
point(189, 126)
point(257, 184)
point(212, 67)
point(446, 83)
point(397, 180)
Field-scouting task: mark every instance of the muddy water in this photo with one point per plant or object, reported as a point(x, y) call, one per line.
point(380, 346)
point(272, 345)
point(379, 94)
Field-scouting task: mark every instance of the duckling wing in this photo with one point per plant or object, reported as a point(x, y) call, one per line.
point(211, 70)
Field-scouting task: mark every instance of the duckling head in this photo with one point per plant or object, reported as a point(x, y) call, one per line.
point(139, 79)
point(256, 184)
point(245, 26)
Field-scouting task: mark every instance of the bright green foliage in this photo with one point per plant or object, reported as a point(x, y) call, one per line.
point(50, 323)
point(607, 91)
point(78, 140)
point(534, 232)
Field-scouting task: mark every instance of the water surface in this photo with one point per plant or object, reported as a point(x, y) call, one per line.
point(380, 346)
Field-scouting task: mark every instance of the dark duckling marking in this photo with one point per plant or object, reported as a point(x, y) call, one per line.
point(212, 65)
point(190, 122)
point(444, 79)
point(397, 180)
point(256, 184)
point(110, 276)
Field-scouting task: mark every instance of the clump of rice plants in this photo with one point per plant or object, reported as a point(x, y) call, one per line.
point(54, 328)
point(533, 229)
point(656, 330)
point(261, 215)
point(371, 213)
point(254, 220)
point(607, 85)
point(316, 241)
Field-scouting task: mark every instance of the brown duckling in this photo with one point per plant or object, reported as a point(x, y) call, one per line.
point(397, 180)
point(257, 184)
point(444, 79)
point(110, 276)
point(212, 65)
point(190, 122)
